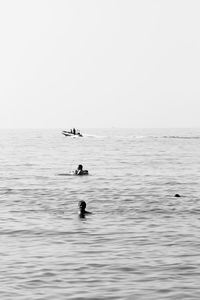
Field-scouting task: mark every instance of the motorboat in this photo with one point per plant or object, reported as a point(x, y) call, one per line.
point(72, 133)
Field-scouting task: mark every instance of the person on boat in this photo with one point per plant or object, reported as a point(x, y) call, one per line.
point(82, 212)
point(80, 171)
point(74, 131)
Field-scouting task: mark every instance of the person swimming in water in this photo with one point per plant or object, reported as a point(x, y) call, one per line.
point(80, 171)
point(82, 211)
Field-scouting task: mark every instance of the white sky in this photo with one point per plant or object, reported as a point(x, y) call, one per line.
point(99, 63)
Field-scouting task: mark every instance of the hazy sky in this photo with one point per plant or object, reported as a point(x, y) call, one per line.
point(99, 63)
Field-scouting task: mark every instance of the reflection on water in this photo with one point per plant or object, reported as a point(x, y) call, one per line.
point(141, 242)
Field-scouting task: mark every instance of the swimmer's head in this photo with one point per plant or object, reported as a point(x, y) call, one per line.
point(82, 205)
point(80, 167)
point(177, 195)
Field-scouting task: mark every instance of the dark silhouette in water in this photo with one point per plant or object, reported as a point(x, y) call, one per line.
point(82, 211)
point(80, 171)
point(177, 195)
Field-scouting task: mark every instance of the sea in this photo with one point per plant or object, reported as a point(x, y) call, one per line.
point(140, 242)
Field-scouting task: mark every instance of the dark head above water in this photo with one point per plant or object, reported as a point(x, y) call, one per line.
point(177, 195)
point(80, 167)
point(82, 207)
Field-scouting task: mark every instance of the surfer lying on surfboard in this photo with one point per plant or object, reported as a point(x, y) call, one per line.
point(80, 171)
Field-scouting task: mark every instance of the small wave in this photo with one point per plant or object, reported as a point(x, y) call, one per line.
point(35, 232)
point(94, 136)
point(6, 191)
point(65, 174)
point(131, 137)
point(179, 137)
point(140, 136)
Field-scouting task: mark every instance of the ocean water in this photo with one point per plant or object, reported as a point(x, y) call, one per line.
point(141, 242)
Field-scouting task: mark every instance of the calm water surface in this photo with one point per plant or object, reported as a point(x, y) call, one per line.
point(140, 242)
